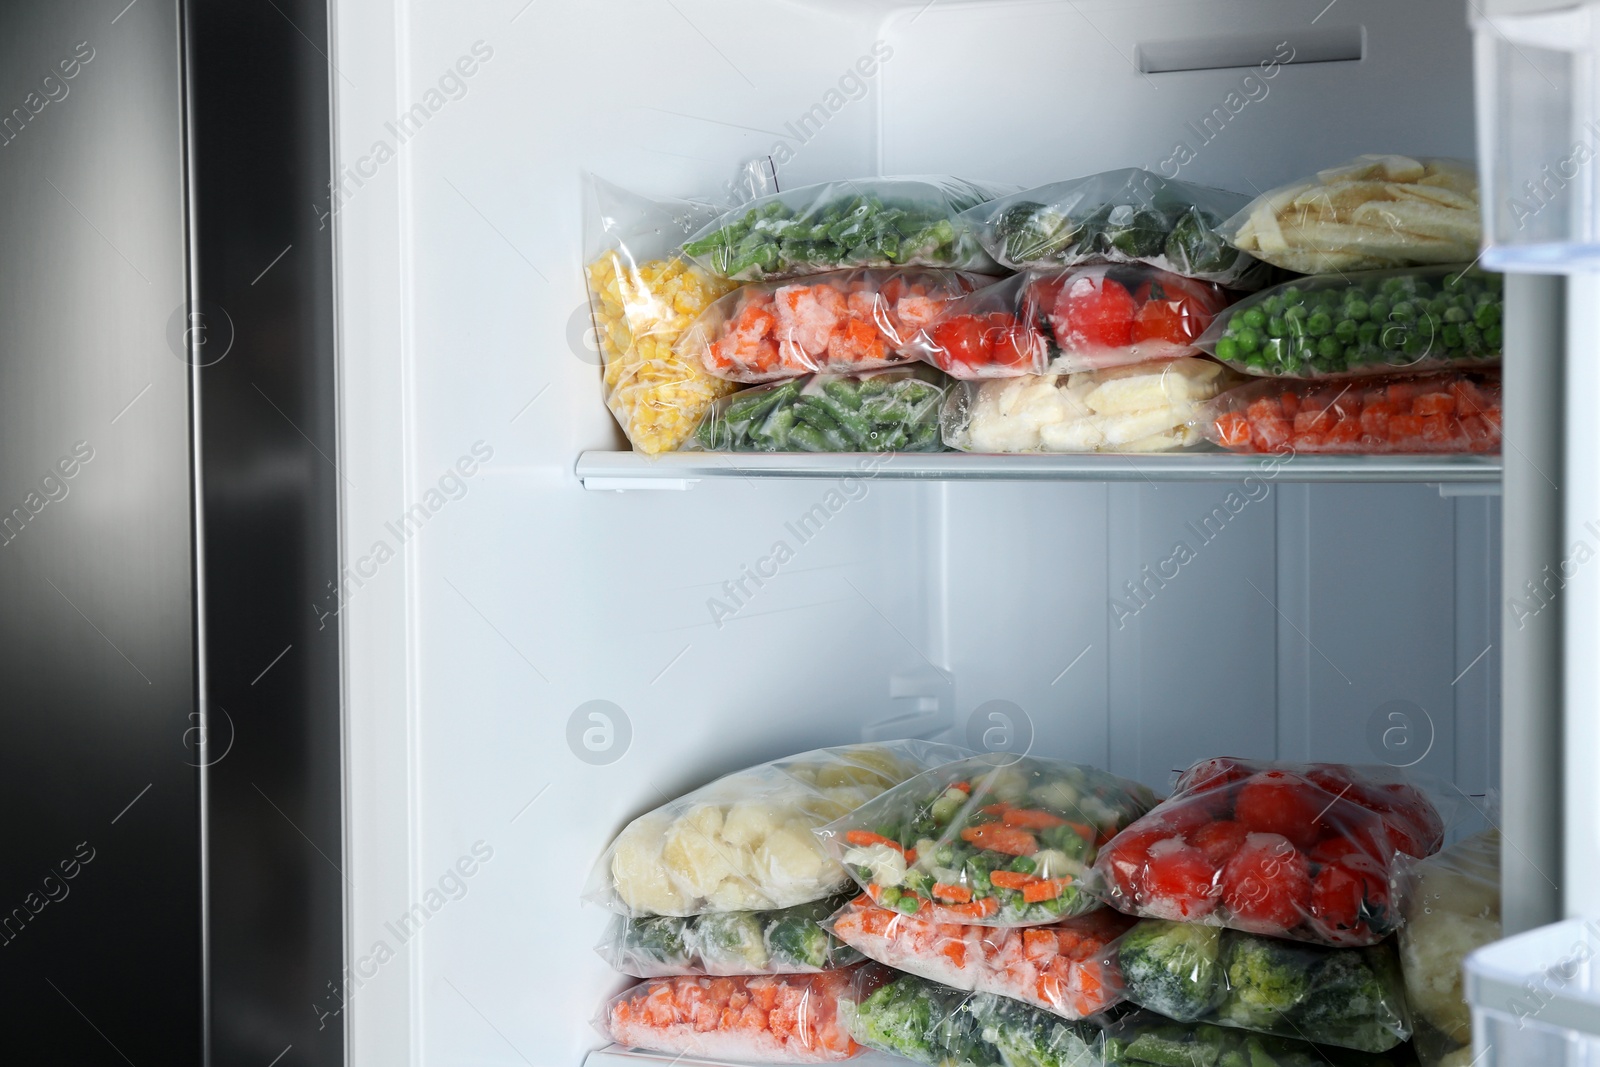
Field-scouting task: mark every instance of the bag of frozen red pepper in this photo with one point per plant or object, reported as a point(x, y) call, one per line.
point(1456, 412)
point(1064, 968)
point(1113, 316)
point(995, 839)
point(1306, 851)
point(844, 322)
point(986, 334)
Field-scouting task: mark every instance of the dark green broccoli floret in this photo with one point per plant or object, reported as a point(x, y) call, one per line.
point(1266, 979)
point(731, 941)
point(922, 1021)
point(659, 938)
point(797, 938)
point(1173, 968)
point(1356, 1000)
point(1028, 1037)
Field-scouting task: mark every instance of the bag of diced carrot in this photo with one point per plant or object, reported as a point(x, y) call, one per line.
point(1453, 412)
point(1063, 968)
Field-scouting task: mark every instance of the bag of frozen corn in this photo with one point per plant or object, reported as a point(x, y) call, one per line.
point(643, 295)
point(745, 842)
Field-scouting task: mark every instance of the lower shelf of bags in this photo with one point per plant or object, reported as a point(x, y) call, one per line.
point(618, 1056)
point(1454, 474)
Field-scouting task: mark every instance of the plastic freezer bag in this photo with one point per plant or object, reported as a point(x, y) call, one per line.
point(1452, 907)
point(842, 322)
point(894, 410)
point(642, 296)
point(1153, 407)
point(1379, 322)
point(752, 1019)
point(1457, 412)
point(1063, 968)
point(787, 941)
point(1308, 851)
point(1375, 211)
point(1190, 972)
point(933, 1024)
point(1145, 1039)
point(994, 840)
point(1112, 316)
point(745, 842)
point(1119, 216)
point(870, 222)
point(992, 333)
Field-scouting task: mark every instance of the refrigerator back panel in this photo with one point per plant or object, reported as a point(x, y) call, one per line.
point(534, 664)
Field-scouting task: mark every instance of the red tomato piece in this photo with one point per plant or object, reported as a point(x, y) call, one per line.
point(959, 339)
point(1218, 841)
point(1212, 774)
point(1179, 883)
point(1278, 802)
point(1267, 885)
point(1093, 311)
point(1126, 857)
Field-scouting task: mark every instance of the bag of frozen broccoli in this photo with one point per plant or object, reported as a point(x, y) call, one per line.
point(786, 941)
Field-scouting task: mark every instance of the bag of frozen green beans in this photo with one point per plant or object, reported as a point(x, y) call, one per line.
point(892, 410)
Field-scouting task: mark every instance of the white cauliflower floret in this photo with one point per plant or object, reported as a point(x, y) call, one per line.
point(887, 866)
point(792, 864)
point(695, 853)
point(749, 821)
point(739, 894)
point(1430, 957)
point(640, 877)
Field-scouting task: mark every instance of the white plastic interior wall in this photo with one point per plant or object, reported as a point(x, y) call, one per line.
point(1308, 618)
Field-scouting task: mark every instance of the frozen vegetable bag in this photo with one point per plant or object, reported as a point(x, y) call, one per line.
point(993, 840)
point(1368, 322)
point(1112, 316)
point(745, 842)
point(869, 222)
point(1308, 851)
point(894, 410)
point(1063, 968)
point(1452, 908)
point(642, 295)
point(786, 941)
point(841, 322)
point(1453, 412)
point(754, 1019)
point(1151, 407)
point(1375, 211)
point(1119, 216)
point(932, 1024)
point(1350, 997)
point(1145, 1039)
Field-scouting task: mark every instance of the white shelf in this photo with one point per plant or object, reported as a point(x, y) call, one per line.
point(1455, 475)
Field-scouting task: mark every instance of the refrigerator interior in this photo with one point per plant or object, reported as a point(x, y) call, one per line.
point(1309, 618)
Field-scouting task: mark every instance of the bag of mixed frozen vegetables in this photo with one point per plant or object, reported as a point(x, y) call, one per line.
point(753, 1019)
point(843, 323)
point(786, 941)
point(1452, 908)
point(1145, 1039)
point(1375, 211)
point(1063, 968)
point(1307, 851)
point(1190, 972)
point(642, 295)
point(1151, 407)
point(939, 1026)
point(870, 222)
point(745, 842)
point(894, 410)
point(1119, 216)
point(1377, 322)
point(993, 840)
point(1452, 412)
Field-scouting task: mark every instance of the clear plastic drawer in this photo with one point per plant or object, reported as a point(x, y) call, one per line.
point(1535, 998)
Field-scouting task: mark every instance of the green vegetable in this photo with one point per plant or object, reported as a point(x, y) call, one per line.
point(922, 1021)
point(1195, 247)
point(1033, 233)
point(1266, 979)
point(796, 937)
point(1029, 1037)
point(731, 939)
point(1173, 968)
point(658, 938)
point(883, 411)
point(1145, 1039)
point(1356, 1000)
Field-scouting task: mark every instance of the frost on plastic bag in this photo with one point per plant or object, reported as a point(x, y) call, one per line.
point(750, 1019)
point(1063, 968)
point(987, 334)
point(787, 941)
point(1119, 216)
point(1375, 211)
point(1455, 413)
point(642, 295)
point(745, 842)
point(895, 410)
point(933, 1024)
point(871, 222)
point(1307, 851)
point(1152, 407)
point(1113, 316)
point(1452, 908)
point(993, 840)
point(1190, 972)
point(843, 322)
point(1145, 1039)
point(1378, 322)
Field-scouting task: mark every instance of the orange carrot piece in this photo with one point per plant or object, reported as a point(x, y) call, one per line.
point(867, 837)
point(978, 909)
point(998, 838)
point(1012, 879)
point(1031, 819)
point(951, 894)
point(1046, 889)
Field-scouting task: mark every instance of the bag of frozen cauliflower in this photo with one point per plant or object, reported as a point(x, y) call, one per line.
point(642, 295)
point(745, 842)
